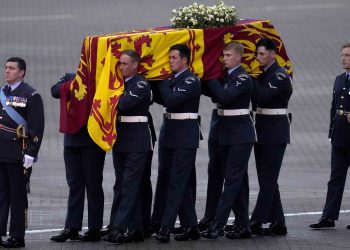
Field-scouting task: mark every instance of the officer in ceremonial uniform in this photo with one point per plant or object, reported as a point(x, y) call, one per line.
point(271, 96)
point(21, 133)
point(178, 143)
point(131, 151)
point(84, 163)
point(339, 134)
point(236, 136)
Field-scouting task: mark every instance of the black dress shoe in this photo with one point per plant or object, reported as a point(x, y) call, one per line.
point(115, 236)
point(178, 230)
point(146, 233)
point(323, 223)
point(191, 233)
point(204, 224)
point(229, 228)
point(238, 233)
point(106, 230)
point(67, 233)
point(163, 235)
point(91, 236)
point(13, 242)
point(214, 231)
point(256, 228)
point(154, 228)
point(348, 226)
point(133, 236)
point(276, 228)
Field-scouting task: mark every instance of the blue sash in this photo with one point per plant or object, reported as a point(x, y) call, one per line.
point(11, 111)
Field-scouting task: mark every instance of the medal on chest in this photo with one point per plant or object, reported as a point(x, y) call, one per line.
point(16, 101)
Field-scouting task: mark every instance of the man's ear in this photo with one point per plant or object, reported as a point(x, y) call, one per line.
point(273, 54)
point(136, 65)
point(185, 61)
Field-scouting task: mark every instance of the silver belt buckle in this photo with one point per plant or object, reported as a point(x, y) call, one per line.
point(167, 115)
point(220, 112)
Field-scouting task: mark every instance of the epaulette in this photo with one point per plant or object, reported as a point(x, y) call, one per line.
point(190, 80)
point(281, 76)
point(243, 77)
point(34, 93)
point(141, 84)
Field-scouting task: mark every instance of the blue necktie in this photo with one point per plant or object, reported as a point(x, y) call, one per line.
point(7, 90)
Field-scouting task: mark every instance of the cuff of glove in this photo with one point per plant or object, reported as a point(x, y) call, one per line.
point(28, 161)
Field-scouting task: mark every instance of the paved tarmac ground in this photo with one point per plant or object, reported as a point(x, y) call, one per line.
point(49, 35)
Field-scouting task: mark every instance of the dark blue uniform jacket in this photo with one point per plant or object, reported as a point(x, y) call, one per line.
point(339, 129)
point(33, 112)
point(135, 101)
point(234, 93)
point(180, 95)
point(273, 90)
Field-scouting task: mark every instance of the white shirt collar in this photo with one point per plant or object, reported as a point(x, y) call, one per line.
point(14, 85)
point(127, 79)
point(178, 73)
point(268, 66)
point(229, 71)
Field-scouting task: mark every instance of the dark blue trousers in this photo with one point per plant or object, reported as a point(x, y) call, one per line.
point(161, 192)
point(340, 161)
point(146, 195)
point(268, 158)
point(129, 168)
point(216, 176)
point(236, 188)
point(13, 197)
point(84, 170)
point(181, 163)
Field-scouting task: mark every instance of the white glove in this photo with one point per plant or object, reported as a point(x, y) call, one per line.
point(330, 140)
point(28, 161)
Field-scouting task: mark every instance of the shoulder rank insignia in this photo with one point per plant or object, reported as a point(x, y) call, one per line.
point(190, 80)
point(281, 76)
point(243, 77)
point(134, 95)
point(141, 84)
point(181, 90)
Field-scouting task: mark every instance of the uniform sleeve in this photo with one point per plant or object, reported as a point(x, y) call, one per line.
point(265, 93)
point(332, 112)
point(151, 127)
point(55, 89)
point(205, 88)
point(253, 99)
point(175, 96)
point(131, 97)
point(157, 97)
point(35, 124)
point(230, 91)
